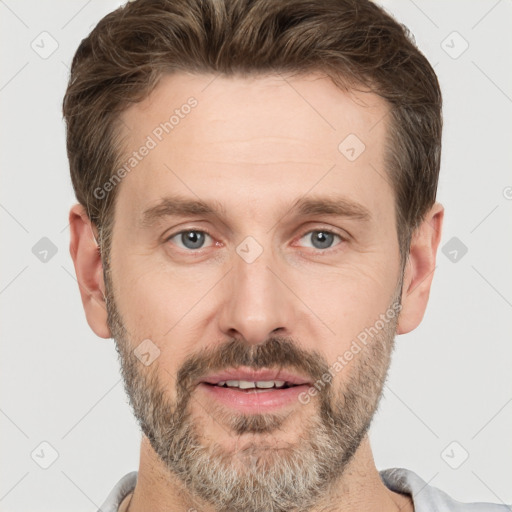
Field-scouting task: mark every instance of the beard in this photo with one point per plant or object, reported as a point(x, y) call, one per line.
point(255, 476)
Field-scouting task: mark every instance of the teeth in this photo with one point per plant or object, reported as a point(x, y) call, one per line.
point(244, 384)
point(268, 384)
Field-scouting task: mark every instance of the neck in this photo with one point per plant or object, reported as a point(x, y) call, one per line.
point(360, 488)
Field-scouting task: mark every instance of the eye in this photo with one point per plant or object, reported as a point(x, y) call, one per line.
point(189, 239)
point(321, 238)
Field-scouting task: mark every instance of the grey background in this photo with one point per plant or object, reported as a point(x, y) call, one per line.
point(450, 379)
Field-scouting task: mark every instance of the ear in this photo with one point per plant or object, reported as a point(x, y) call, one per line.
point(89, 269)
point(419, 270)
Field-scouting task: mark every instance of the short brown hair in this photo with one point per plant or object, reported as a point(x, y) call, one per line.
point(354, 42)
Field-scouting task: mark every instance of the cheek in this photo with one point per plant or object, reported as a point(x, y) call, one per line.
point(156, 306)
point(153, 298)
point(351, 298)
point(143, 298)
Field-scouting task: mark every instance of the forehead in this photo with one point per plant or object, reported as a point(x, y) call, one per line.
point(265, 137)
point(259, 106)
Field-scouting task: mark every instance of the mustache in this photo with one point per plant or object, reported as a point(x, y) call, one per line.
point(275, 352)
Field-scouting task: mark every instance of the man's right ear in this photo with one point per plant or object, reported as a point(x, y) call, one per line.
point(86, 257)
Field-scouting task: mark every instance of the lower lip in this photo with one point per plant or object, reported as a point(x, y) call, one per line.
point(252, 401)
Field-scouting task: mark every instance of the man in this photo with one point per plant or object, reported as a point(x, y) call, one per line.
point(256, 221)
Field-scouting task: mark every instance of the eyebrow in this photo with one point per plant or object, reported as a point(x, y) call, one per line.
point(180, 206)
point(335, 206)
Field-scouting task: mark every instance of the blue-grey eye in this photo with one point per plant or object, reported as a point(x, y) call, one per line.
point(321, 239)
point(190, 239)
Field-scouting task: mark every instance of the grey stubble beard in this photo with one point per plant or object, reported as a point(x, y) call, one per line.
point(257, 477)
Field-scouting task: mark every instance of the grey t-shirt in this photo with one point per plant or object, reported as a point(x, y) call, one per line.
point(425, 497)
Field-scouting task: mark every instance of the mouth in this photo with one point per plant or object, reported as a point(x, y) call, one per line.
point(247, 386)
point(247, 378)
point(253, 391)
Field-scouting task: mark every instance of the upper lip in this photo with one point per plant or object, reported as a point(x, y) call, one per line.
point(254, 376)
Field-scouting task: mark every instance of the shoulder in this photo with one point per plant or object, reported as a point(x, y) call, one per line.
point(122, 488)
point(431, 499)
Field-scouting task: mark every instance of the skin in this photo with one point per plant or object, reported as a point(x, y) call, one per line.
point(255, 145)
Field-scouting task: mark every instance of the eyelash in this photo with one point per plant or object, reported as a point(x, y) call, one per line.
point(316, 251)
point(335, 248)
point(190, 251)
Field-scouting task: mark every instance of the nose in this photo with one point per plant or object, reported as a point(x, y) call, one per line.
point(257, 303)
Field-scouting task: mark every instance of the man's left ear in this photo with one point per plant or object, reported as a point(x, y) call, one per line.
point(419, 270)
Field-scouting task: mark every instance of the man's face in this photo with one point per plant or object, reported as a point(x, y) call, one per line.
point(272, 278)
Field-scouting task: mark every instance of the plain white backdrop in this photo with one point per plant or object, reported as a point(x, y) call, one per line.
point(66, 430)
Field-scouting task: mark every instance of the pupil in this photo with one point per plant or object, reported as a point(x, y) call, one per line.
point(192, 239)
point(324, 239)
